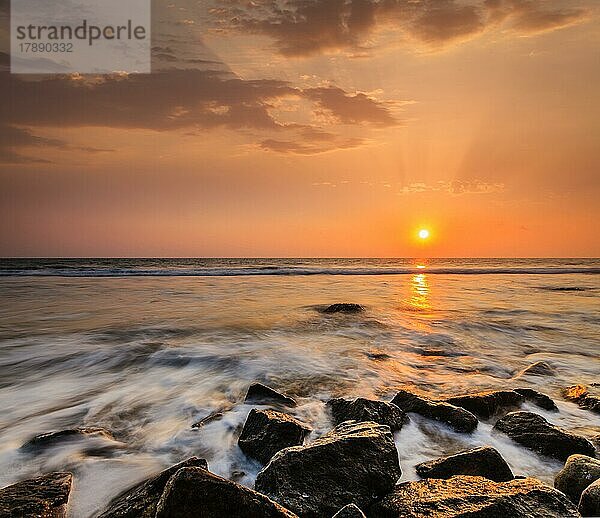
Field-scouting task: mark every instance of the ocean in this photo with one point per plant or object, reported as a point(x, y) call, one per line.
point(147, 347)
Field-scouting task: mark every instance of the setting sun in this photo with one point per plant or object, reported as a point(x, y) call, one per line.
point(424, 233)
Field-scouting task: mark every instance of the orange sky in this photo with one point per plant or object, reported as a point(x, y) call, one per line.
point(326, 128)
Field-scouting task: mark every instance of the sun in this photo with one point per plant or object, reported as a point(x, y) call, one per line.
point(424, 234)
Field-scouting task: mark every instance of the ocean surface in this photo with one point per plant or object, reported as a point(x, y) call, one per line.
point(147, 347)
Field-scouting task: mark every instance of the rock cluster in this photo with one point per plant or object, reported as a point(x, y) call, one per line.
point(488, 404)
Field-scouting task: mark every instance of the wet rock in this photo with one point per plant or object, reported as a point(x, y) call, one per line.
point(349, 511)
point(488, 404)
point(590, 403)
point(140, 501)
point(353, 463)
point(577, 474)
point(42, 497)
point(534, 432)
point(459, 419)
point(538, 369)
point(197, 492)
point(344, 308)
point(483, 462)
point(47, 440)
point(361, 409)
point(266, 432)
point(261, 394)
point(210, 418)
point(574, 392)
point(473, 497)
point(537, 398)
point(589, 505)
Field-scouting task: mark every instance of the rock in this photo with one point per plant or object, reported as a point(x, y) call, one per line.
point(349, 511)
point(537, 398)
point(41, 497)
point(361, 409)
point(473, 497)
point(266, 432)
point(459, 419)
point(353, 463)
point(488, 404)
point(47, 440)
point(197, 492)
point(140, 501)
point(575, 392)
point(261, 394)
point(210, 418)
point(577, 474)
point(344, 308)
point(534, 432)
point(483, 462)
point(538, 369)
point(590, 403)
point(589, 505)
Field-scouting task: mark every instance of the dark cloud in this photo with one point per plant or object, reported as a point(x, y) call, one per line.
point(311, 141)
point(307, 27)
point(171, 100)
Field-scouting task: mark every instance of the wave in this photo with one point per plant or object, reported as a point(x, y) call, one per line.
point(290, 271)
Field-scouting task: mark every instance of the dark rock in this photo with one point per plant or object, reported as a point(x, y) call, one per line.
point(140, 501)
point(210, 418)
point(361, 409)
point(344, 308)
point(534, 432)
point(50, 439)
point(488, 404)
point(574, 392)
point(589, 505)
point(538, 369)
point(349, 511)
point(266, 432)
point(41, 497)
point(578, 473)
point(537, 398)
point(197, 492)
point(482, 462)
point(459, 419)
point(354, 463)
point(590, 403)
point(473, 497)
point(261, 394)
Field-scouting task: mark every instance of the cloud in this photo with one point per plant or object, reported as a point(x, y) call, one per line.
point(176, 99)
point(311, 141)
point(309, 27)
point(455, 187)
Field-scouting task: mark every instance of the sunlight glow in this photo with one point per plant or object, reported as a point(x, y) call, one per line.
point(424, 233)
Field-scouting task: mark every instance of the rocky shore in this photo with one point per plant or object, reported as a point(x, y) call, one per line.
point(353, 470)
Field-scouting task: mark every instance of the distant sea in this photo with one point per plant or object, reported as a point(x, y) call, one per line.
point(147, 347)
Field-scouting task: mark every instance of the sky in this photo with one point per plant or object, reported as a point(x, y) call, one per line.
point(316, 128)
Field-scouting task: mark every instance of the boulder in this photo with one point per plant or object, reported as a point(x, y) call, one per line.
point(537, 398)
point(459, 419)
point(361, 409)
point(40, 497)
point(482, 462)
point(589, 504)
point(488, 404)
point(47, 440)
point(577, 474)
point(266, 432)
point(538, 369)
point(140, 501)
point(349, 511)
point(534, 432)
point(198, 492)
point(473, 497)
point(261, 394)
point(353, 463)
point(345, 307)
point(574, 392)
point(590, 403)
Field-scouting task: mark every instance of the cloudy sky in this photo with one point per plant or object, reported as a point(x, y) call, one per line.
point(316, 128)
